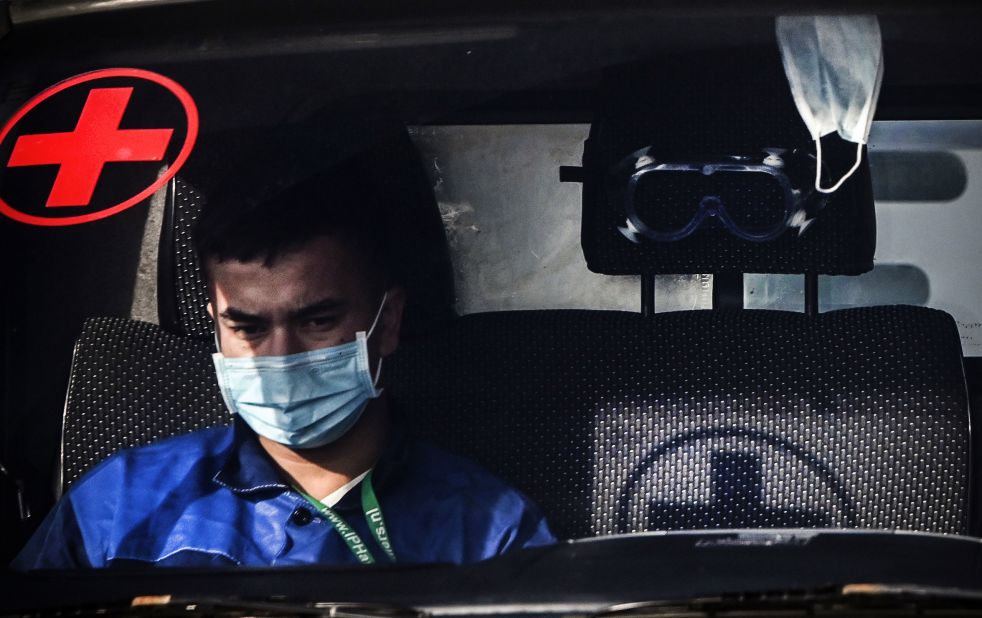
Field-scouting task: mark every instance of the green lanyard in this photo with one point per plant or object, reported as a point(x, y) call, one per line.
point(373, 514)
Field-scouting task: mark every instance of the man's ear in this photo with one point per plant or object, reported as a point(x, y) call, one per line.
point(391, 320)
point(211, 310)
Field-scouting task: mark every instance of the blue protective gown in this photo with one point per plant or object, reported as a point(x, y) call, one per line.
point(215, 498)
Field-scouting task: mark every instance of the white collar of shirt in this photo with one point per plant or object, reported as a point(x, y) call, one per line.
point(336, 495)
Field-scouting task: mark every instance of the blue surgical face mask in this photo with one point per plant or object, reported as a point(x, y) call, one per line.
point(302, 400)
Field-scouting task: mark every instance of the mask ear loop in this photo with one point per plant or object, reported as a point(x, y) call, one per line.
point(378, 315)
point(218, 344)
point(818, 168)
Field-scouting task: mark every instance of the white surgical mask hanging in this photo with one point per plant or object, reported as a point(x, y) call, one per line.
point(834, 65)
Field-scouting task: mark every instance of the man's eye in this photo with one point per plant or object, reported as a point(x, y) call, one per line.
point(247, 330)
point(321, 321)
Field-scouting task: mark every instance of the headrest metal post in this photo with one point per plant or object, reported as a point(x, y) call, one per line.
point(811, 293)
point(647, 295)
point(728, 290)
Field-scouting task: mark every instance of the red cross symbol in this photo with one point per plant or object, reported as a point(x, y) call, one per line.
point(96, 140)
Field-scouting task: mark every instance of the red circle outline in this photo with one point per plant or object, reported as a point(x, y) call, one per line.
point(191, 111)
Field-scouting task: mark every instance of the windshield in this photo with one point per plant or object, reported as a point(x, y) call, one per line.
point(365, 289)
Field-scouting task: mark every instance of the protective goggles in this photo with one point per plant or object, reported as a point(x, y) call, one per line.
point(755, 198)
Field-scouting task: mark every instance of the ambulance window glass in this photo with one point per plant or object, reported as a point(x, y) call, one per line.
point(514, 228)
point(927, 191)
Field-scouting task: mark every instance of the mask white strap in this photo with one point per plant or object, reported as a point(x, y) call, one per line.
point(377, 315)
point(218, 344)
point(818, 168)
point(378, 372)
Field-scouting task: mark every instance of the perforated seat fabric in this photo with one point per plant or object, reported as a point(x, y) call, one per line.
point(183, 295)
point(614, 422)
point(131, 384)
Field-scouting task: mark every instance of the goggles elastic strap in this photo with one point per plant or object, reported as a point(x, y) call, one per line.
point(818, 167)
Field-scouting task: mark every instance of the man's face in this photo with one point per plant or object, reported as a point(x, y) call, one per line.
point(316, 296)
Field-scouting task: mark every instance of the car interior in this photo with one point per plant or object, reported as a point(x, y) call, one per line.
point(803, 406)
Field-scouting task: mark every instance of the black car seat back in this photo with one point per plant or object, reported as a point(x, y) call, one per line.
point(616, 422)
point(133, 383)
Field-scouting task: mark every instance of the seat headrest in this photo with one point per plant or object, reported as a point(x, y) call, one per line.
point(709, 107)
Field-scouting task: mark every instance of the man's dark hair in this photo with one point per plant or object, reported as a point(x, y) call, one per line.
point(257, 219)
point(268, 192)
